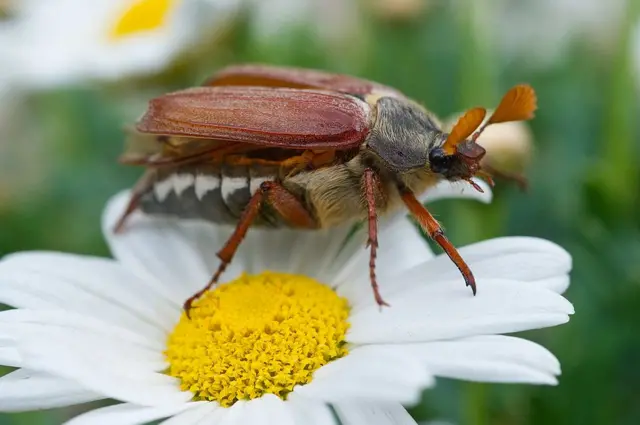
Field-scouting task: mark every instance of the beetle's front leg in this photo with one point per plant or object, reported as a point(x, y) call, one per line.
point(430, 225)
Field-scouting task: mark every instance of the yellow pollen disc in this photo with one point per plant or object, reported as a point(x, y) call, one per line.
point(141, 16)
point(258, 334)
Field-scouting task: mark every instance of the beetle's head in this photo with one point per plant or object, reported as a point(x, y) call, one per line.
point(462, 164)
point(457, 155)
point(411, 144)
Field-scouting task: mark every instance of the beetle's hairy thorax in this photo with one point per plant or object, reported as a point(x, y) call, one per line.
point(402, 134)
point(335, 194)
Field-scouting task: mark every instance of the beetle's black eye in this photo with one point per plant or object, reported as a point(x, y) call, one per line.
point(439, 162)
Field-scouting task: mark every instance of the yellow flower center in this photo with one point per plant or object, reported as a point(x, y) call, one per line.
point(141, 16)
point(258, 334)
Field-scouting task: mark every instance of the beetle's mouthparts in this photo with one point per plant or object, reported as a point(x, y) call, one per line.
point(471, 153)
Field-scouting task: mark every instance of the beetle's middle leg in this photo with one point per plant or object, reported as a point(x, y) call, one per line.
point(372, 182)
point(281, 200)
point(292, 165)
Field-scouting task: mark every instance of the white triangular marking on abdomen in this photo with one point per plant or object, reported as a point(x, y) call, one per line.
point(231, 184)
point(205, 184)
point(182, 182)
point(162, 189)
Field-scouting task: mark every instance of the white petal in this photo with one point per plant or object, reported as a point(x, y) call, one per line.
point(312, 254)
point(93, 286)
point(447, 309)
point(509, 244)
point(386, 373)
point(23, 390)
point(128, 414)
point(270, 249)
point(202, 413)
point(262, 249)
point(86, 335)
point(489, 358)
point(267, 410)
point(557, 284)
point(527, 267)
point(9, 355)
point(373, 414)
point(207, 240)
point(19, 297)
point(309, 412)
point(105, 372)
point(547, 258)
point(517, 258)
point(235, 414)
point(401, 247)
point(60, 320)
point(458, 190)
point(156, 249)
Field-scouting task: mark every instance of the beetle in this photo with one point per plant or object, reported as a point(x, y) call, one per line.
point(277, 146)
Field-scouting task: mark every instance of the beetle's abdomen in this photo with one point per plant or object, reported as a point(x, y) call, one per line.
point(216, 193)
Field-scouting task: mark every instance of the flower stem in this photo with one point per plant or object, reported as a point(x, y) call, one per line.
point(475, 412)
point(617, 176)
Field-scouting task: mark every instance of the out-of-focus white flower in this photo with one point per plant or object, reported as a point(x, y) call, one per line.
point(24, 160)
point(329, 20)
point(54, 42)
point(539, 32)
point(509, 146)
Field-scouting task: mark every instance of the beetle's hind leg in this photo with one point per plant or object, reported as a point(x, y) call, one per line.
point(282, 201)
point(142, 186)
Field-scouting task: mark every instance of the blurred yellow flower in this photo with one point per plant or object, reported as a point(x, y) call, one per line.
point(142, 16)
point(57, 42)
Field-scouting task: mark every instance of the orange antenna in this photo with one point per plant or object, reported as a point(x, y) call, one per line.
point(518, 104)
point(463, 129)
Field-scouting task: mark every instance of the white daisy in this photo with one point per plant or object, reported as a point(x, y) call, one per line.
point(270, 347)
point(54, 42)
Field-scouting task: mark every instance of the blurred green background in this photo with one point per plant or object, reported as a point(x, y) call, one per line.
point(58, 151)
